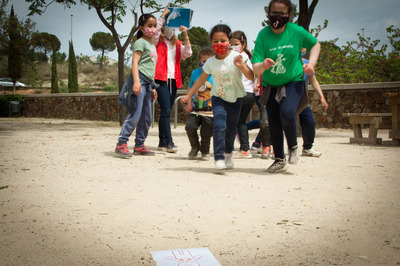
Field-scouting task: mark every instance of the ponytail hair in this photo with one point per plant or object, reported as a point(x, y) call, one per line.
point(239, 35)
point(142, 20)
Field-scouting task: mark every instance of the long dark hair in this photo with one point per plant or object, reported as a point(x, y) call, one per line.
point(221, 28)
point(142, 20)
point(239, 35)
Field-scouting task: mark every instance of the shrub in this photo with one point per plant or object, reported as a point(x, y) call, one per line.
point(5, 102)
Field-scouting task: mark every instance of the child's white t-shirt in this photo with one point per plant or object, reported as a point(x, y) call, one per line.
point(247, 83)
point(227, 78)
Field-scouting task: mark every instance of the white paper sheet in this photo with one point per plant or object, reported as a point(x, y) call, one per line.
point(185, 257)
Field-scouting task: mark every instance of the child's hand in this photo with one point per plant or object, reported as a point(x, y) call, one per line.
point(257, 88)
point(324, 104)
point(154, 95)
point(166, 11)
point(268, 63)
point(185, 99)
point(308, 69)
point(182, 29)
point(238, 60)
point(189, 107)
point(137, 88)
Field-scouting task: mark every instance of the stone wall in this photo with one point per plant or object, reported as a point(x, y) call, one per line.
point(343, 98)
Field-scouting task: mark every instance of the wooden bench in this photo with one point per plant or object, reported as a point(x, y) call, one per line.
point(371, 119)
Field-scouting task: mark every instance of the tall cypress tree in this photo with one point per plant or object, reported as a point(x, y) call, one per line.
point(54, 82)
point(72, 70)
point(14, 51)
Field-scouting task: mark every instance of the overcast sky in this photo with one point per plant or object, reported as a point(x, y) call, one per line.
point(346, 19)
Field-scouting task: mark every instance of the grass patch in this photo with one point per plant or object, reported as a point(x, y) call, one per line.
point(3, 187)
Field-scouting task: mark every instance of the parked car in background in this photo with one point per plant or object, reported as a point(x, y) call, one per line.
point(7, 82)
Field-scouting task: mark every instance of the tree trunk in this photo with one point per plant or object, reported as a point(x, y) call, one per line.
point(102, 57)
point(121, 81)
point(306, 13)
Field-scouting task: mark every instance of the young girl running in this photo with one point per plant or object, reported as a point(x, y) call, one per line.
point(239, 44)
point(139, 89)
point(226, 68)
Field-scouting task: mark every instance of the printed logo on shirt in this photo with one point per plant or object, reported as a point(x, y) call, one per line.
point(153, 54)
point(278, 68)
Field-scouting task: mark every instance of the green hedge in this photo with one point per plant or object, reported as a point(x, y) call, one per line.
point(5, 102)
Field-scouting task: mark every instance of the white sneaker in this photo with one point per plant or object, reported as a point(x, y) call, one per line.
point(220, 165)
point(294, 157)
point(228, 160)
point(311, 152)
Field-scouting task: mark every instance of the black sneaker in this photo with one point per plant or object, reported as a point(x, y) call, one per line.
point(171, 148)
point(193, 153)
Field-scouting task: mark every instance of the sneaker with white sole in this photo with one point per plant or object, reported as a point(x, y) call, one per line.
point(294, 157)
point(255, 146)
point(279, 165)
point(228, 161)
point(220, 165)
point(242, 154)
point(205, 157)
point(266, 152)
point(311, 153)
point(171, 148)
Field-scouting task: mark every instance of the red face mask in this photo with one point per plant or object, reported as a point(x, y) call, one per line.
point(220, 48)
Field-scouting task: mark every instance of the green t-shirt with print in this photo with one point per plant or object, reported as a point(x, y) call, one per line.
point(147, 63)
point(284, 49)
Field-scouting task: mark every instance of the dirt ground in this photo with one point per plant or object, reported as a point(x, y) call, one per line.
point(66, 199)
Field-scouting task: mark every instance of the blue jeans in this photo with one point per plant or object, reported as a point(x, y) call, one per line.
point(307, 124)
point(166, 97)
point(140, 119)
point(226, 117)
point(283, 117)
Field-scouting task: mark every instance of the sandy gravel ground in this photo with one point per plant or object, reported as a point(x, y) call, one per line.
point(70, 201)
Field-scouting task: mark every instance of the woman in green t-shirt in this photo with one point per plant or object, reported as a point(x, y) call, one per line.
point(277, 58)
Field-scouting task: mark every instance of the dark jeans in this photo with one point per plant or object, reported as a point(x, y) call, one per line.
point(226, 116)
point(263, 135)
point(166, 97)
point(247, 104)
point(283, 117)
point(307, 124)
point(205, 123)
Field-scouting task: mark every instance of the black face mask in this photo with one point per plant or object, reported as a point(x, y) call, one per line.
point(277, 21)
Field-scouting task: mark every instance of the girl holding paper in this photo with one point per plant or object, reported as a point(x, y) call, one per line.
point(170, 52)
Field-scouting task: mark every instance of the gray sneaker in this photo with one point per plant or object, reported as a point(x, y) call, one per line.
point(279, 165)
point(228, 160)
point(205, 157)
point(193, 154)
point(311, 152)
point(171, 148)
point(294, 157)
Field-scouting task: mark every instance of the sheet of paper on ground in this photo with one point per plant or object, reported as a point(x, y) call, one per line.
point(192, 256)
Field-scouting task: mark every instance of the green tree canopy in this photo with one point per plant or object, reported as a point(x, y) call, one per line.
point(44, 43)
point(102, 41)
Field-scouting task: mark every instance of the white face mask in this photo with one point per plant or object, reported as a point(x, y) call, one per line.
point(236, 48)
point(169, 34)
